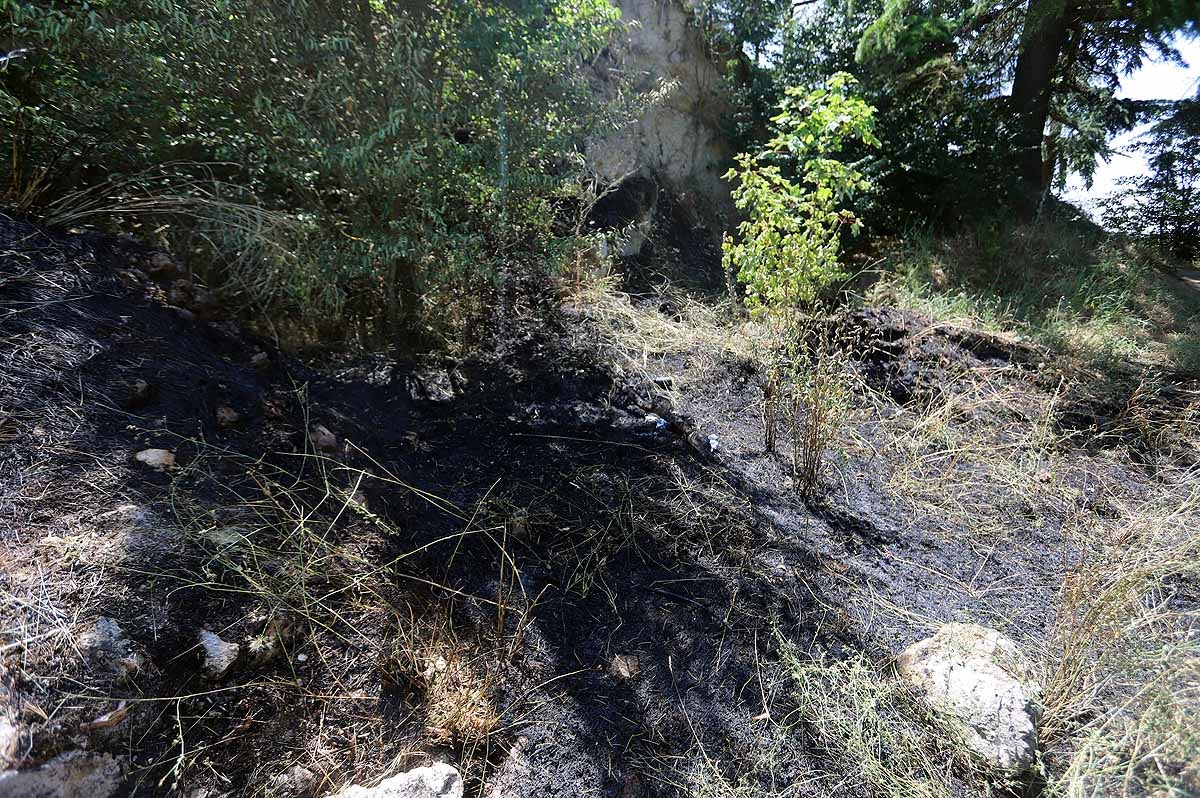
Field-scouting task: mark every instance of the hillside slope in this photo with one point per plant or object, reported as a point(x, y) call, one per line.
point(562, 579)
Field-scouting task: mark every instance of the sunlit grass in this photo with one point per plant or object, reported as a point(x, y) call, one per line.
point(1064, 285)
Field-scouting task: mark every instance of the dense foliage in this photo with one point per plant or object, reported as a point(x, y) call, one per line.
point(982, 106)
point(794, 192)
point(385, 154)
point(375, 165)
point(1163, 203)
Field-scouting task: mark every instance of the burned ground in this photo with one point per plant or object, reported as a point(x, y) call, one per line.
point(454, 573)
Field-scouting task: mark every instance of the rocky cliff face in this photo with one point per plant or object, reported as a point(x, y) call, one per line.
point(679, 141)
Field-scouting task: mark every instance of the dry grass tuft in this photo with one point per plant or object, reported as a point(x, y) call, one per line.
point(878, 736)
point(641, 335)
point(1123, 690)
point(302, 553)
point(435, 672)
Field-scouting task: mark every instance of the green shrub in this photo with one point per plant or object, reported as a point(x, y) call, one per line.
point(409, 152)
point(787, 252)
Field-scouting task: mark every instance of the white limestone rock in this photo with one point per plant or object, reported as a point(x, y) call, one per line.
point(439, 780)
point(985, 687)
point(76, 774)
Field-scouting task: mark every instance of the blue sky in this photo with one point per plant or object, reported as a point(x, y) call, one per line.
point(1154, 81)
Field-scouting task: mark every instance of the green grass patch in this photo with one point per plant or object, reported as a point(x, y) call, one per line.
point(1065, 284)
point(879, 737)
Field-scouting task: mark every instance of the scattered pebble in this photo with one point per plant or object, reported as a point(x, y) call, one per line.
point(704, 444)
point(435, 667)
point(219, 655)
point(625, 666)
point(107, 646)
point(322, 438)
point(295, 781)
point(439, 780)
point(161, 459)
point(227, 416)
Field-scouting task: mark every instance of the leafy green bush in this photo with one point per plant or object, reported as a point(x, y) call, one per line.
point(788, 248)
point(1160, 205)
point(409, 152)
point(787, 252)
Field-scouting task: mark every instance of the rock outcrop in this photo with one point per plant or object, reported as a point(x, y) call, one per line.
point(679, 141)
point(982, 684)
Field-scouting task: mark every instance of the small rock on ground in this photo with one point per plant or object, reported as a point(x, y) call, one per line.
point(75, 774)
point(985, 687)
point(431, 385)
point(161, 459)
point(436, 781)
point(295, 782)
point(625, 666)
point(227, 416)
point(322, 438)
point(219, 655)
point(108, 647)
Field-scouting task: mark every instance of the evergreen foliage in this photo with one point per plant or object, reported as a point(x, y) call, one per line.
point(1163, 203)
point(976, 112)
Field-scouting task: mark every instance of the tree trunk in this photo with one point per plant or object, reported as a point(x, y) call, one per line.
point(1042, 41)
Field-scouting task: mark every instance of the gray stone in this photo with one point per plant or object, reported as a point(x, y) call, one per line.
point(982, 684)
point(158, 459)
point(322, 437)
point(295, 782)
point(108, 647)
point(10, 729)
point(227, 416)
point(431, 385)
point(75, 774)
point(219, 655)
point(439, 780)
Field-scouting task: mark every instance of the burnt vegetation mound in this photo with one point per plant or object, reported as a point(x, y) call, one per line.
point(503, 560)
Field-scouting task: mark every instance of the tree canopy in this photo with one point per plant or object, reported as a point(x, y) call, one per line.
point(997, 99)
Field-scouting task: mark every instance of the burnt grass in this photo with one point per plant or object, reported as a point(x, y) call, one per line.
point(524, 476)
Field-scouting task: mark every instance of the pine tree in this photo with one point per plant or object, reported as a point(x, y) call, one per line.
point(1063, 58)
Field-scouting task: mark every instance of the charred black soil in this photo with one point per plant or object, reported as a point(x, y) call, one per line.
point(501, 561)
